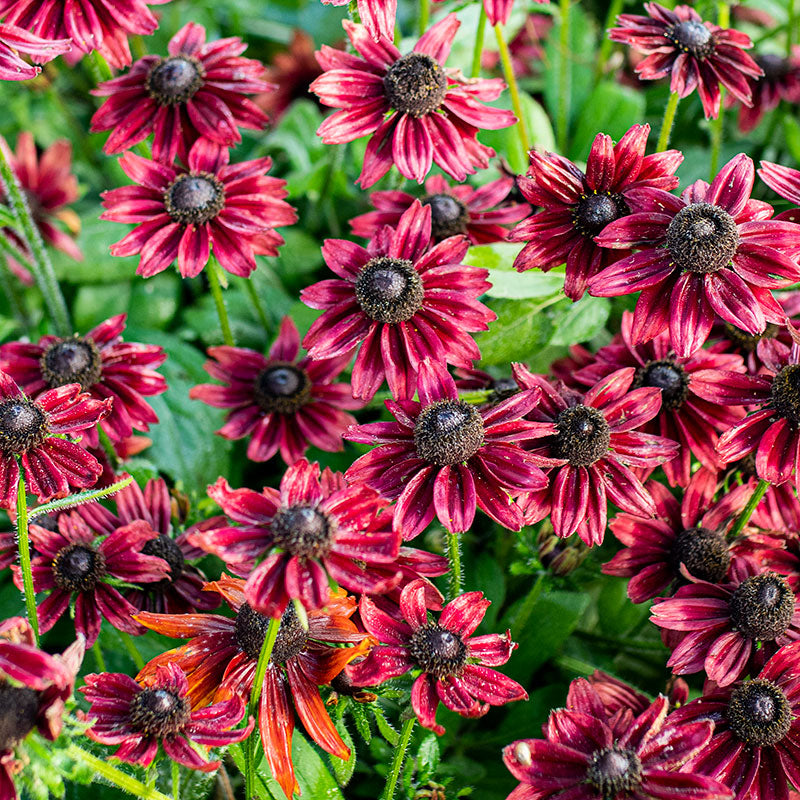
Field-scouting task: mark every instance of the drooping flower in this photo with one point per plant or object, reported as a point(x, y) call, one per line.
point(695, 54)
point(756, 741)
point(279, 402)
point(444, 457)
point(15, 40)
point(106, 367)
point(197, 91)
point(586, 756)
point(434, 115)
point(780, 81)
point(711, 251)
point(576, 207)
point(454, 663)
point(690, 535)
point(479, 214)
point(403, 300)
point(30, 435)
point(377, 16)
point(232, 208)
point(317, 526)
point(222, 655)
point(591, 441)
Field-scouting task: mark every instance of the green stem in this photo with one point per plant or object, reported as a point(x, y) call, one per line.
point(98, 656)
point(219, 302)
point(399, 758)
point(520, 619)
point(667, 122)
point(258, 306)
point(133, 652)
point(724, 21)
point(614, 10)
point(176, 781)
point(791, 23)
point(108, 447)
point(113, 775)
point(454, 554)
point(79, 499)
point(40, 263)
point(424, 15)
point(513, 88)
point(477, 50)
point(25, 557)
point(744, 517)
point(562, 120)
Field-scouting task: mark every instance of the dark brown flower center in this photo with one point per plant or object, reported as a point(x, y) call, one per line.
point(74, 360)
point(583, 435)
point(174, 80)
point(775, 67)
point(19, 708)
point(251, 630)
point(438, 650)
point(415, 84)
point(389, 290)
point(786, 393)
point(167, 548)
point(194, 198)
point(762, 607)
point(759, 713)
point(613, 770)
point(302, 531)
point(282, 389)
point(595, 211)
point(749, 341)
point(691, 36)
point(158, 712)
point(705, 554)
point(78, 568)
point(449, 216)
point(702, 238)
point(448, 432)
point(668, 376)
point(22, 425)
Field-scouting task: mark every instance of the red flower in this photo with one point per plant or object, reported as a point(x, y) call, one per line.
point(433, 116)
point(785, 181)
point(454, 663)
point(198, 91)
point(14, 39)
point(695, 54)
point(233, 208)
point(455, 210)
point(576, 207)
point(711, 251)
point(316, 526)
point(223, 653)
point(591, 441)
point(780, 81)
point(498, 11)
point(443, 456)
point(280, 402)
point(378, 16)
point(107, 368)
point(402, 300)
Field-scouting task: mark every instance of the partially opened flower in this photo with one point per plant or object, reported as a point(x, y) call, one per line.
point(695, 54)
point(282, 403)
point(434, 115)
point(184, 214)
point(105, 366)
point(403, 299)
point(199, 90)
point(454, 664)
point(498, 11)
point(15, 39)
point(444, 457)
point(711, 251)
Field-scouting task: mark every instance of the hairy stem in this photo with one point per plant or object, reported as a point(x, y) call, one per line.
point(667, 122)
point(399, 758)
point(477, 50)
point(513, 88)
point(219, 301)
point(25, 557)
point(744, 517)
point(562, 120)
point(454, 555)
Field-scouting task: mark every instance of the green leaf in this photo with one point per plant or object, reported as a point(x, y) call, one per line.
point(497, 256)
point(386, 730)
point(361, 718)
point(7, 218)
point(540, 127)
point(520, 328)
point(520, 286)
point(312, 773)
point(581, 321)
point(343, 770)
point(791, 135)
point(428, 757)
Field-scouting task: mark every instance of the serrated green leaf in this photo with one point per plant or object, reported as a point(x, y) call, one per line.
point(520, 329)
point(581, 321)
point(361, 719)
point(428, 757)
point(343, 770)
point(525, 285)
point(385, 729)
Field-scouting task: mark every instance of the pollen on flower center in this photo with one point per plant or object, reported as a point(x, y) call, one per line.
point(786, 393)
point(583, 435)
point(759, 713)
point(438, 650)
point(415, 84)
point(302, 531)
point(449, 215)
point(668, 376)
point(158, 712)
point(749, 341)
point(448, 432)
point(705, 554)
point(613, 770)
point(251, 630)
point(691, 36)
point(282, 388)
point(702, 238)
point(762, 607)
point(167, 548)
point(22, 425)
point(19, 708)
point(73, 360)
point(389, 290)
point(78, 568)
point(594, 211)
point(194, 198)
point(174, 80)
